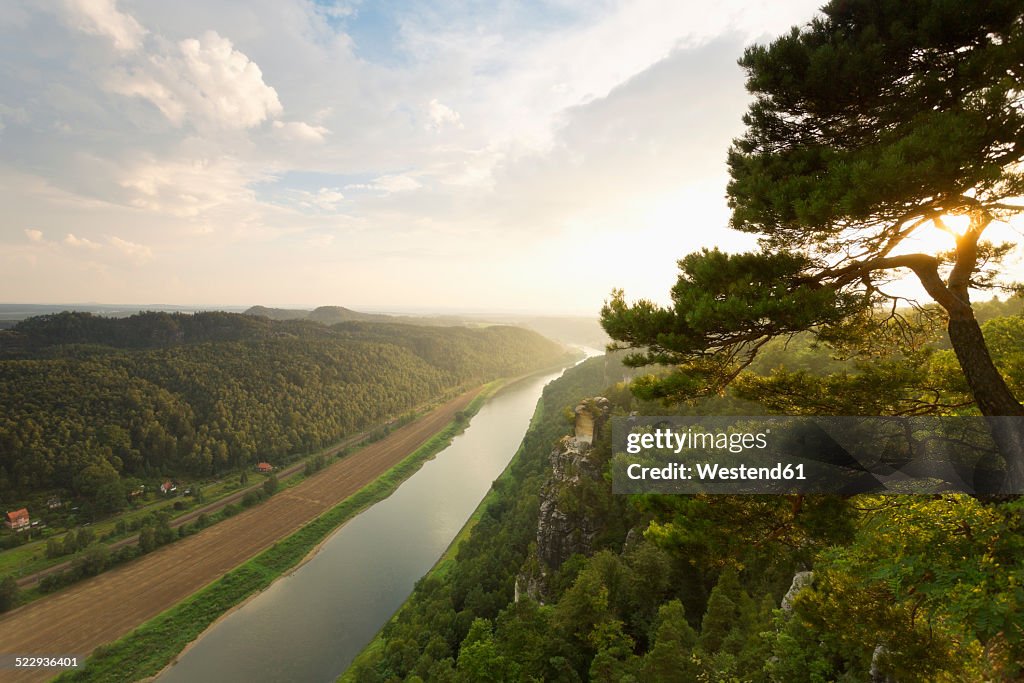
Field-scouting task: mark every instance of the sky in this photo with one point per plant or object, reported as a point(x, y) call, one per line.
point(506, 156)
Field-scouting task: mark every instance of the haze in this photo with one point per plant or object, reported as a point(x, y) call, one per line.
point(497, 156)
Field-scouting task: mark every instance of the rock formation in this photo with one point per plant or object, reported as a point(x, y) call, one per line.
point(564, 530)
point(801, 580)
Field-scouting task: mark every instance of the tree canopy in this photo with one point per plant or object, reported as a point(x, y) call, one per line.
point(877, 121)
point(86, 401)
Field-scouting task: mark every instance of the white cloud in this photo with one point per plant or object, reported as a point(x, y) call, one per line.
point(138, 253)
point(441, 116)
point(327, 198)
point(34, 235)
point(188, 188)
point(300, 131)
point(389, 184)
point(529, 135)
point(205, 81)
point(102, 18)
point(80, 242)
point(396, 183)
point(335, 11)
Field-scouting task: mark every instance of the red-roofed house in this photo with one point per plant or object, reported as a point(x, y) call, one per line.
point(264, 467)
point(17, 520)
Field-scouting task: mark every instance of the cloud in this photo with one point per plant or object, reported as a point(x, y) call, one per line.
point(249, 149)
point(396, 183)
point(138, 253)
point(205, 81)
point(441, 116)
point(102, 18)
point(327, 198)
point(389, 184)
point(187, 188)
point(300, 131)
point(34, 235)
point(80, 242)
point(14, 114)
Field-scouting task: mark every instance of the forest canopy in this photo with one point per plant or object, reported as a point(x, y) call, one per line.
point(87, 401)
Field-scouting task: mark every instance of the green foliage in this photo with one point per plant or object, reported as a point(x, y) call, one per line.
point(725, 307)
point(936, 580)
point(54, 549)
point(619, 614)
point(270, 485)
point(149, 648)
point(834, 180)
point(673, 643)
point(924, 114)
point(8, 593)
point(169, 395)
point(722, 614)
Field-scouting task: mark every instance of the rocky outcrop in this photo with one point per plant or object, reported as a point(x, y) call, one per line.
point(878, 663)
point(564, 529)
point(801, 580)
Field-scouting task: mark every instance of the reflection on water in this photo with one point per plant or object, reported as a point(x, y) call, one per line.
point(309, 625)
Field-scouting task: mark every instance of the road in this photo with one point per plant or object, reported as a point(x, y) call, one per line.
point(104, 608)
point(32, 579)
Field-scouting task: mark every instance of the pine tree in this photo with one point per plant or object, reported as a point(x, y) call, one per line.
point(876, 122)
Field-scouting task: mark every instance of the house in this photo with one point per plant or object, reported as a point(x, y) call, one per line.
point(168, 487)
point(264, 468)
point(54, 503)
point(17, 520)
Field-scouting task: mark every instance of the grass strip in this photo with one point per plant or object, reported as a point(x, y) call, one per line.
point(151, 646)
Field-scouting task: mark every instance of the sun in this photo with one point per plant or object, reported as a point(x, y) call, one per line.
point(931, 238)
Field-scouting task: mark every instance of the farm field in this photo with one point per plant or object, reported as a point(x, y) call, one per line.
point(77, 620)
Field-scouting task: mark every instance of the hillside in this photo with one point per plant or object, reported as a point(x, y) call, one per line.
point(88, 403)
point(559, 580)
point(330, 315)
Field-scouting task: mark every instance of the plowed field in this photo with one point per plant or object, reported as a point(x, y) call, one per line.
point(102, 609)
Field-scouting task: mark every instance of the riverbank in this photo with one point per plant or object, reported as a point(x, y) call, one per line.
point(446, 560)
point(80, 619)
point(312, 623)
point(158, 642)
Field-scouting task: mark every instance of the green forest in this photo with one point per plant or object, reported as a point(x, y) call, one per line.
point(706, 588)
point(89, 405)
point(873, 123)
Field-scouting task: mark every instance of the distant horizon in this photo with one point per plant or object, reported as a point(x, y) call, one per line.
point(237, 308)
point(412, 154)
point(423, 156)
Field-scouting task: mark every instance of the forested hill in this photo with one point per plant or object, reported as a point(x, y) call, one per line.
point(328, 315)
point(87, 403)
point(33, 336)
point(559, 580)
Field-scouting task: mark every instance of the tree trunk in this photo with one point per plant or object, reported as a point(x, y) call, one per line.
point(993, 397)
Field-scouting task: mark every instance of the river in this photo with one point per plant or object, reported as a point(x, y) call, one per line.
point(310, 624)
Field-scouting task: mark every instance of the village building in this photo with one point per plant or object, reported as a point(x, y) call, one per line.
point(17, 520)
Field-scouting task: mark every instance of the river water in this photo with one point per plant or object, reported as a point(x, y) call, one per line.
point(310, 625)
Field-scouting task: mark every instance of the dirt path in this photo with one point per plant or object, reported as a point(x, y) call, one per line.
point(99, 610)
